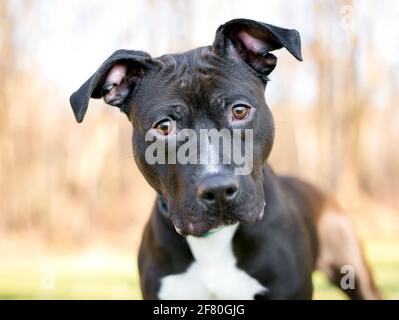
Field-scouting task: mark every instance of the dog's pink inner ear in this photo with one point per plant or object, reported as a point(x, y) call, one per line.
point(253, 47)
point(115, 88)
point(250, 42)
point(116, 74)
point(120, 81)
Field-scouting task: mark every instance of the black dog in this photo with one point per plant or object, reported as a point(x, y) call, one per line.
point(214, 234)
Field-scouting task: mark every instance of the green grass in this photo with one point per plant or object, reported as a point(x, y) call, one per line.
point(93, 275)
point(105, 275)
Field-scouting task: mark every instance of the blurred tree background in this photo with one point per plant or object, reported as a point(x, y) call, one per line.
point(72, 202)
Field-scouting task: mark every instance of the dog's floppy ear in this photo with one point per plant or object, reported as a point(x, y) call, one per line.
point(114, 81)
point(251, 41)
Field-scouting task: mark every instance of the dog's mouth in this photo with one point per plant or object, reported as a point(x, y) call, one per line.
point(205, 228)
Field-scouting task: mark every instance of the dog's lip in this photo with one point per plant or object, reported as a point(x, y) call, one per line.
point(198, 229)
point(261, 214)
point(179, 231)
point(203, 229)
point(195, 229)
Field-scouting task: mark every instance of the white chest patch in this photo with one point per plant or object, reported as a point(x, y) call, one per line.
point(213, 274)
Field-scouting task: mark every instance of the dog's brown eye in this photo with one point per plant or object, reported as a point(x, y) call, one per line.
point(240, 111)
point(164, 127)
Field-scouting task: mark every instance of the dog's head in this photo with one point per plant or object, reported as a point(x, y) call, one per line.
point(171, 100)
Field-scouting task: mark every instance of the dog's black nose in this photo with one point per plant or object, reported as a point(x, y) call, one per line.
point(218, 189)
